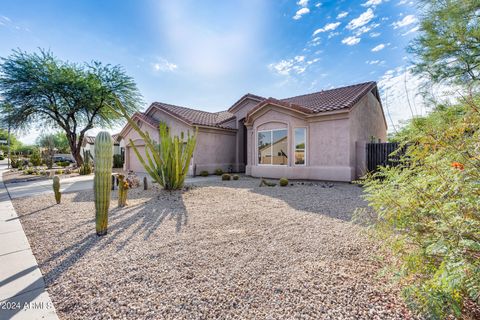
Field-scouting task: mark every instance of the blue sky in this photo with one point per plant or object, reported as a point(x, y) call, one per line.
point(207, 54)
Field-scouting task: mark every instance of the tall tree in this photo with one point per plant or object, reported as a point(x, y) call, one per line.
point(56, 140)
point(448, 47)
point(45, 91)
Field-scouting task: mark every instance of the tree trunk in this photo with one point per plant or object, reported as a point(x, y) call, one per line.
point(75, 148)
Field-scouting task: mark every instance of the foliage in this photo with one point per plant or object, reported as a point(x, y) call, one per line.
point(102, 183)
point(226, 177)
point(14, 142)
point(57, 141)
point(448, 48)
point(56, 189)
point(235, 177)
point(428, 209)
point(63, 164)
point(283, 182)
point(117, 161)
point(47, 92)
point(204, 173)
point(36, 158)
point(86, 166)
point(218, 172)
point(264, 182)
point(167, 162)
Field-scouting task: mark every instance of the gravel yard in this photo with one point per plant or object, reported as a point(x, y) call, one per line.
point(220, 250)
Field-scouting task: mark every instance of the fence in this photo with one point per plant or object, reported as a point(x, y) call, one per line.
point(379, 154)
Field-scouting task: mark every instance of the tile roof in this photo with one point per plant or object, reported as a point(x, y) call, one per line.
point(197, 117)
point(334, 99)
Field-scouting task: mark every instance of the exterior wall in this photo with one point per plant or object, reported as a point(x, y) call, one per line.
point(240, 113)
point(367, 123)
point(215, 150)
point(327, 146)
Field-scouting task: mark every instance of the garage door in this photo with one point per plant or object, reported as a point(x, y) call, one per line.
point(135, 164)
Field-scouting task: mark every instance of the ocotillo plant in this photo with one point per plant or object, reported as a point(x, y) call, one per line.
point(102, 181)
point(122, 191)
point(56, 189)
point(168, 162)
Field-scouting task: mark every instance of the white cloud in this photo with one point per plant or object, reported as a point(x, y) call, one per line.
point(407, 20)
point(379, 62)
point(302, 3)
point(378, 48)
point(318, 4)
point(375, 34)
point(372, 3)
point(163, 65)
point(328, 27)
point(362, 20)
point(300, 13)
point(365, 29)
point(342, 15)
point(297, 65)
point(414, 29)
point(333, 34)
point(350, 41)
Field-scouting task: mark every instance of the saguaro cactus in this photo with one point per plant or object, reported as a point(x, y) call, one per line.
point(122, 191)
point(102, 182)
point(56, 189)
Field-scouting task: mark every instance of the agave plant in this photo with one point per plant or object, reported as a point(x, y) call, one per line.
point(167, 162)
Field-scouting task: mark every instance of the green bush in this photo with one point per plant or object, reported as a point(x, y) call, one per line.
point(2, 157)
point(204, 173)
point(14, 162)
point(28, 171)
point(63, 164)
point(117, 161)
point(428, 210)
point(58, 171)
point(226, 177)
point(218, 172)
point(36, 158)
point(85, 169)
point(235, 177)
point(283, 182)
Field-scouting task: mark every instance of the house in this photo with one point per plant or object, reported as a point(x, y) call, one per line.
point(320, 136)
point(88, 144)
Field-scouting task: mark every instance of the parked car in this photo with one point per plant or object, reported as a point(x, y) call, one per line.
point(62, 159)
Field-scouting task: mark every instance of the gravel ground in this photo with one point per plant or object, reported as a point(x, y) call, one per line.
point(220, 250)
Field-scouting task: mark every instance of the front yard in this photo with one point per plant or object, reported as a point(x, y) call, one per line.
point(220, 250)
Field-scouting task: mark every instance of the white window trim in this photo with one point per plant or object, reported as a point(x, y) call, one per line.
point(295, 147)
point(271, 141)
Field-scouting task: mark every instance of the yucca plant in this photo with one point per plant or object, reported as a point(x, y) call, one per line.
point(167, 162)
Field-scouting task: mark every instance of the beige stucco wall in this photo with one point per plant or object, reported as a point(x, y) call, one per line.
point(240, 113)
point(367, 123)
point(215, 148)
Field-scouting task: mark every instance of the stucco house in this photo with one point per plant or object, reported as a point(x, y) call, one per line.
point(320, 136)
point(88, 144)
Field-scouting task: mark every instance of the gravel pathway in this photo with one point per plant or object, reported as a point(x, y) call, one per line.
point(220, 250)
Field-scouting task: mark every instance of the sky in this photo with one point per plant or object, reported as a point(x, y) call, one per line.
point(207, 54)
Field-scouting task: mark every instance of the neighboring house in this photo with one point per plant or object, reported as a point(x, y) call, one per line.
point(89, 145)
point(318, 136)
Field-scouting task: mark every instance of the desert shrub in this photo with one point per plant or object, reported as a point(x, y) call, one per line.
point(36, 157)
point(204, 173)
point(283, 182)
point(85, 169)
point(117, 161)
point(428, 210)
point(226, 177)
point(58, 171)
point(218, 172)
point(28, 171)
point(63, 164)
point(14, 162)
point(235, 177)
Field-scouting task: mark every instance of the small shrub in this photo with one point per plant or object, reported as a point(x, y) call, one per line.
point(58, 171)
point(235, 177)
point(226, 177)
point(283, 182)
point(218, 172)
point(36, 158)
point(204, 173)
point(63, 164)
point(28, 171)
point(14, 163)
point(85, 169)
point(2, 157)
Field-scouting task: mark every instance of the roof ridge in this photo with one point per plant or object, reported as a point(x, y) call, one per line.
point(192, 109)
point(328, 90)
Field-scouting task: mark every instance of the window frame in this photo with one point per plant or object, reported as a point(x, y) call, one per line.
point(271, 146)
point(304, 149)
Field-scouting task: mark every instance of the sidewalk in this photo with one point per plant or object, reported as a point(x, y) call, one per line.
point(22, 288)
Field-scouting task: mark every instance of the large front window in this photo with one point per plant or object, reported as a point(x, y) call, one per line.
point(300, 134)
point(272, 147)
